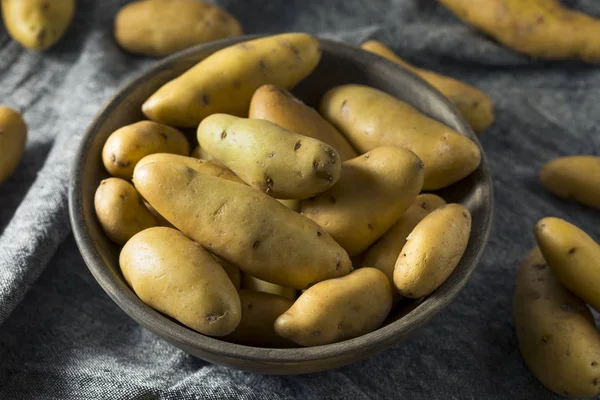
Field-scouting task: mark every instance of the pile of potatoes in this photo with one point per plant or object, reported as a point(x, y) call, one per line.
point(287, 226)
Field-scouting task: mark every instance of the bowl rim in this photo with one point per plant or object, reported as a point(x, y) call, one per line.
point(177, 333)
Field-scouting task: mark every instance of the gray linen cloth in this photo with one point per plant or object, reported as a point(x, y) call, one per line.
point(62, 337)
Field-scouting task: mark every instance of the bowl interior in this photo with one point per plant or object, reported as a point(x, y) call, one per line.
point(340, 64)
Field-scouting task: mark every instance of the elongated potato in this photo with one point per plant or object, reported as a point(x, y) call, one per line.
point(159, 28)
point(259, 312)
point(374, 191)
point(177, 277)
point(242, 225)
point(573, 256)
point(539, 28)
point(251, 283)
point(576, 177)
point(432, 251)
point(225, 81)
point(284, 109)
point(120, 210)
point(384, 253)
point(270, 158)
point(474, 105)
point(129, 144)
point(13, 136)
point(206, 167)
point(37, 24)
point(556, 332)
point(338, 309)
point(370, 118)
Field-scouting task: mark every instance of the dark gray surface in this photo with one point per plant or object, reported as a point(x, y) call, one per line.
point(66, 339)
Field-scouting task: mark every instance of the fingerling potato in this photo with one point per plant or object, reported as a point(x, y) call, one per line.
point(177, 277)
point(129, 144)
point(556, 332)
point(573, 256)
point(225, 81)
point(384, 253)
point(120, 210)
point(338, 309)
point(272, 159)
point(374, 191)
point(37, 24)
point(251, 283)
point(242, 225)
point(13, 136)
point(576, 177)
point(370, 118)
point(432, 251)
point(159, 28)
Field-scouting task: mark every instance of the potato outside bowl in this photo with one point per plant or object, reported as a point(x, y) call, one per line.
point(340, 64)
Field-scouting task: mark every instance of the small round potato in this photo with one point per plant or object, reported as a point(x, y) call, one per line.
point(177, 277)
point(384, 253)
point(159, 28)
point(37, 24)
point(573, 256)
point(259, 312)
point(274, 160)
point(129, 144)
point(120, 210)
point(576, 177)
point(206, 167)
point(338, 309)
point(557, 335)
point(13, 135)
point(251, 283)
point(432, 251)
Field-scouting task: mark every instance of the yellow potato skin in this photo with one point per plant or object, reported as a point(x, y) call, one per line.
point(474, 105)
point(370, 118)
point(37, 24)
point(129, 144)
point(177, 277)
point(556, 332)
point(338, 309)
point(274, 160)
point(162, 27)
point(573, 256)
point(374, 191)
point(243, 226)
point(575, 177)
point(160, 220)
point(259, 312)
point(251, 283)
point(120, 210)
point(206, 167)
point(384, 253)
point(284, 109)
point(432, 251)
point(539, 28)
point(13, 136)
point(225, 81)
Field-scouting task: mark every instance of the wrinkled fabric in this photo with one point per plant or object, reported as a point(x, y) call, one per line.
point(61, 337)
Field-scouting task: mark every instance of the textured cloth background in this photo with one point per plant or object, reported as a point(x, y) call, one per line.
point(62, 337)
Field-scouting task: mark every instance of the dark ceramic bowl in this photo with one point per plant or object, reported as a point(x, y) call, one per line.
point(340, 64)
